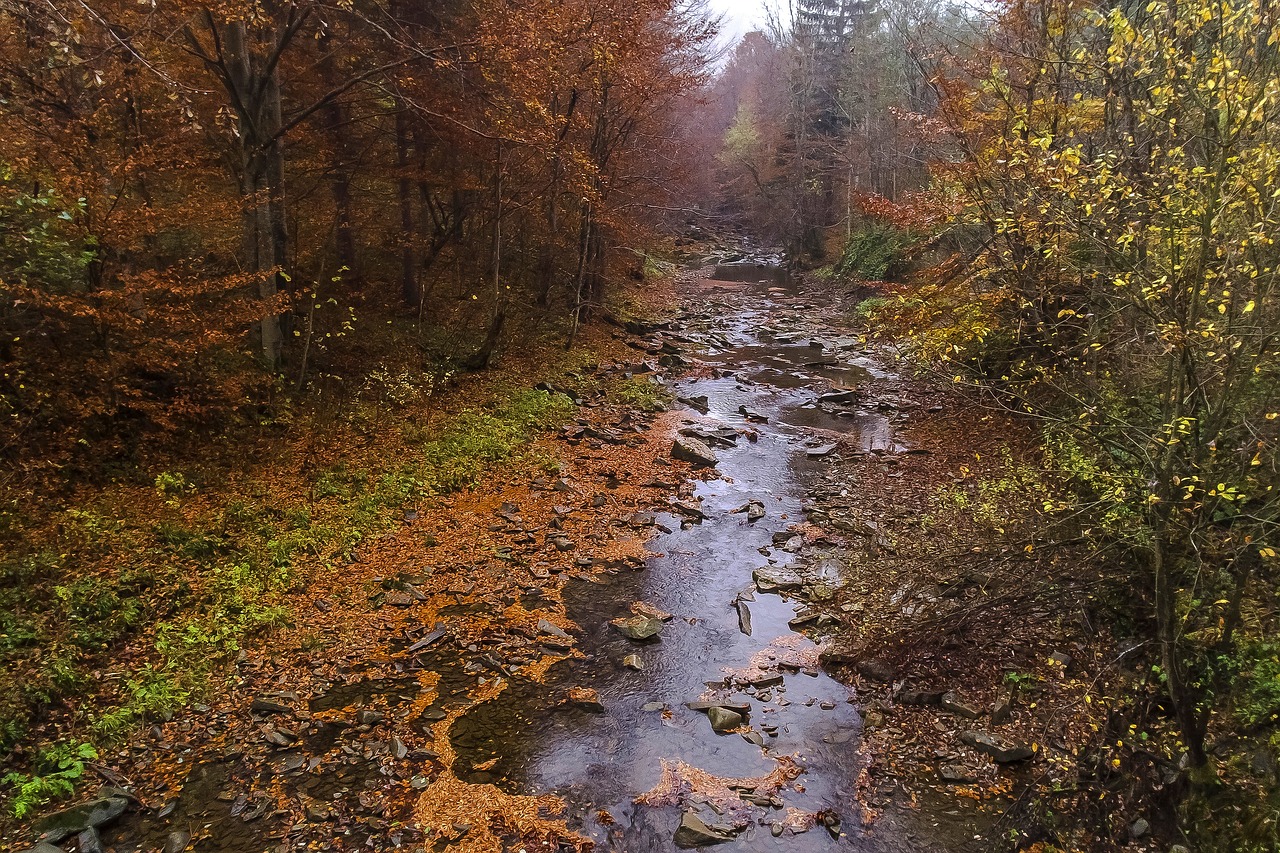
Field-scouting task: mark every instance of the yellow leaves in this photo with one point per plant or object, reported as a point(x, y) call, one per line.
point(1267, 553)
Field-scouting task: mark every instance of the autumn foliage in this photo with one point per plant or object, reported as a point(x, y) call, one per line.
point(200, 201)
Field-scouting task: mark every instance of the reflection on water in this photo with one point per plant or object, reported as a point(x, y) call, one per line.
point(603, 762)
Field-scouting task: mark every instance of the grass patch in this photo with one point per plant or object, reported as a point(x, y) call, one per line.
point(640, 393)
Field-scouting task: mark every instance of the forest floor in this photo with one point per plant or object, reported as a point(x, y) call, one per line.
point(860, 592)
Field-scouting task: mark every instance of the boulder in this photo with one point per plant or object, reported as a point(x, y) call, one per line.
point(698, 404)
point(693, 451)
point(68, 822)
point(637, 627)
point(876, 669)
point(692, 832)
point(724, 720)
point(1000, 749)
point(776, 579)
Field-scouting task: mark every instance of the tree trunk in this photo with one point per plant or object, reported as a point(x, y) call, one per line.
point(410, 290)
point(262, 179)
point(1181, 696)
point(335, 121)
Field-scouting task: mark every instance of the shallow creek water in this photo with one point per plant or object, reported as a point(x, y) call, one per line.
point(604, 762)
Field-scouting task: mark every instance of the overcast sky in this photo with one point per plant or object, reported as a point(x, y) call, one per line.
point(740, 16)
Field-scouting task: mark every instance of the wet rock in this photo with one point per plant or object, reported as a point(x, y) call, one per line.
point(698, 404)
point(822, 451)
point(738, 708)
point(804, 616)
point(267, 706)
point(1000, 749)
point(633, 662)
point(838, 398)
point(694, 451)
point(650, 707)
point(876, 669)
point(718, 437)
point(178, 841)
point(692, 832)
point(956, 774)
point(951, 702)
point(88, 841)
point(68, 822)
point(1140, 829)
point(754, 738)
point(776, 579)
point(744, 617)
point(587, 699)
point(638, 627)
point(723, 720)
point(752, 415)
point(689, 509)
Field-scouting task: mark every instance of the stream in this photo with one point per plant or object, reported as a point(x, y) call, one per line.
point(761, 382)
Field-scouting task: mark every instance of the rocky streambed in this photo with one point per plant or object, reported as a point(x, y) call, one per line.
point(628, 655)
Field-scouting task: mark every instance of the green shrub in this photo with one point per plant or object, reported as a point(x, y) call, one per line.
point(873, 253)
point(57, 770)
